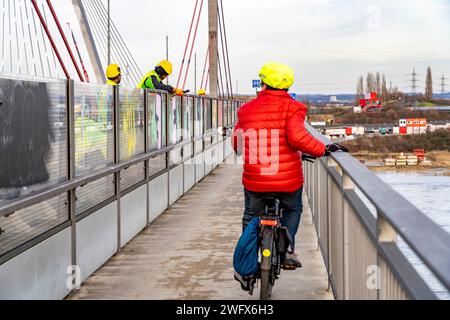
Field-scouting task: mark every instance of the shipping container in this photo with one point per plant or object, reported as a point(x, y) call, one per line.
point(410, 130)
point(373, 96)
point(350, 138)
point(335, 132)
point(361, 131)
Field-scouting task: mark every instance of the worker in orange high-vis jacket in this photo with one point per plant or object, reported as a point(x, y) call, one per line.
point(271, 136)
point(154, 79)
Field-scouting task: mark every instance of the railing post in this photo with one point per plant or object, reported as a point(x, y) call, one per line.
point(203, 134)
point(147, 162)
point(71, 174)
point(386, 234)
point(224, 125)
point(183, 133)
point(167, 153)
point(194, 156)
point(194, 141)
point(347, 184)
point(318, 198)
point(116, 104)
point(329, 163)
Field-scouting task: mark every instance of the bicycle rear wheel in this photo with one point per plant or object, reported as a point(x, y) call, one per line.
point(266, 286)
point(267, 252)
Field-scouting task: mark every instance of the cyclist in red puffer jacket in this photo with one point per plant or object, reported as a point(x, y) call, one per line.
point(271, 136)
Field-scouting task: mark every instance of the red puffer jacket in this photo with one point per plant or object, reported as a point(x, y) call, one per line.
point(273, 129)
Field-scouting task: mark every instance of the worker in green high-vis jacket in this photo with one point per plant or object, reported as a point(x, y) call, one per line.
point(154, 79)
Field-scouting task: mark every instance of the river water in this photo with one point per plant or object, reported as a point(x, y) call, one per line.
point(430, 192)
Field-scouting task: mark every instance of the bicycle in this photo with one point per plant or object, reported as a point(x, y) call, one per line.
point(274, 243)
point(271, 248)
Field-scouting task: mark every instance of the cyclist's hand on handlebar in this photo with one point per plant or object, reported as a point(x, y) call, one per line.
point(334, 148)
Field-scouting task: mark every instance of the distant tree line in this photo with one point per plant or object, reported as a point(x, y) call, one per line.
point(376, 83)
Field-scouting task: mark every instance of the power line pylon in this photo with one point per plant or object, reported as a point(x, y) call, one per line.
point(443, 84)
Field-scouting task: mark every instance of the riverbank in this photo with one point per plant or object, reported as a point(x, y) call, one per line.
point(374, 150)
point(375, 161)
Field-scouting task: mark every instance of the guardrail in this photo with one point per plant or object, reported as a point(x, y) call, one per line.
point(360, 245)
point(102, 143)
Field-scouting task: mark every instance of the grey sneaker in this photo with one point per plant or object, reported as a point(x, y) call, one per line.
point(291, 262)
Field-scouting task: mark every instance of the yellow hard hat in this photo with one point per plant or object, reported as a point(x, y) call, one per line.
point(277, 75)
point(166, 65)
point(201, 92)
point(113, 71)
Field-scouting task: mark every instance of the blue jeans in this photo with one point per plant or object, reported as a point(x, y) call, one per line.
point(291, 203)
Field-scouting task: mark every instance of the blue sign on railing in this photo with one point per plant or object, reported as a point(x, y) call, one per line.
point(256, 84)
point(293, 95)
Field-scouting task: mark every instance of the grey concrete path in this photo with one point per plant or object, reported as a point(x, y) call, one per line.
point(187, 252)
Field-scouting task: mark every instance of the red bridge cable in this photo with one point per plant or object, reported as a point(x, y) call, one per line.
point(220, 76)
point(206, 63)
point(193, 44)
point(207, 80)
point(226, 48)
point(50, 38)
point(187, 43)
point(86, 76)
point(223, 52)
point(72, 57)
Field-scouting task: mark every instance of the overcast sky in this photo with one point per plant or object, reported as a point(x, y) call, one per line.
point(329, 43)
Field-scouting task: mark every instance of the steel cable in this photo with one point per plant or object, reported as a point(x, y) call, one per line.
point(193, 44)
point(52, 51)
point(124, 45)
point(38, 44)
point(3, 38)
point(24, 38)
point(220, 74)
point(128, 57)
point(10, 37)
point(118, 51)
point(95, 32)
point(204, 66)
point(226, 48)
point(31, 42)
point(187, 43)
point(223, 51)
point(117, 54)
point(45, 45)
point(19, 55)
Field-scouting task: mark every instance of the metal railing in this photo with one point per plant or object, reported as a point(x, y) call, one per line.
point(360, 245)
point(130, 129)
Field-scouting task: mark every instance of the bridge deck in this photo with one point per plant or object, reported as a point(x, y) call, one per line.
point(187, 252)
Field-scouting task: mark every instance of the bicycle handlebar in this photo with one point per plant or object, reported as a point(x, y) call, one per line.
point(308, 157)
